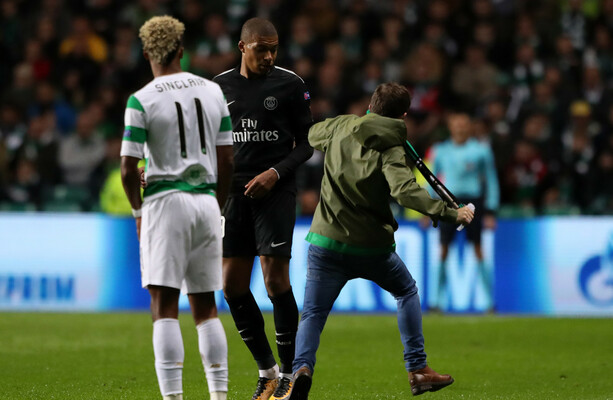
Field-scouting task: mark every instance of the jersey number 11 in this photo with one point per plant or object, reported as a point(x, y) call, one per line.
point(200, 114)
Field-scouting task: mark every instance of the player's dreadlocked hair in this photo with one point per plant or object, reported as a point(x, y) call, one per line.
point(161, 38)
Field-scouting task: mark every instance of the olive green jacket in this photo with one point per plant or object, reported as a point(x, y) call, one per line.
point(365, 164)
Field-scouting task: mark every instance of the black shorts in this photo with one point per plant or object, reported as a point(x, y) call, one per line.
point(259, 227)
point(473, 230)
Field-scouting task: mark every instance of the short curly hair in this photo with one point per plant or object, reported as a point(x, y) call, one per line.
point(161, 37)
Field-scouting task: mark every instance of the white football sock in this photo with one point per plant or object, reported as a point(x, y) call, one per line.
point(178, 396)
point(169, 355)
point(219, 395)
point(270, 373)
point(214, 354)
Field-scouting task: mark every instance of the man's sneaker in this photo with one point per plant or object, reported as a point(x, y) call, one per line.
point(265, 388)
point(302, 384)
point(284, 389)
point(428, 380)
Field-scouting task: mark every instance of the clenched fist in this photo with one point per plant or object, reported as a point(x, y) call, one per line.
point(466, 214)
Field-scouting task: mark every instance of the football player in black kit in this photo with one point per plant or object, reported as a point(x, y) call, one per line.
point(271, 117)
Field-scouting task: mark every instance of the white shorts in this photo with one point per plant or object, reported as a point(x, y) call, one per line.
point(180, 240)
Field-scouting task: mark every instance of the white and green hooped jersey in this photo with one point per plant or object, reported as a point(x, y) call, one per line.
point(175, 122)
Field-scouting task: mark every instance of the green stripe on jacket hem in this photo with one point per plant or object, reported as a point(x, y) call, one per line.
point(339, 247)
point(161, 186)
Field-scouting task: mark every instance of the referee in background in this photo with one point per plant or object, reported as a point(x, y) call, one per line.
point(271, 117)
point(466, 166)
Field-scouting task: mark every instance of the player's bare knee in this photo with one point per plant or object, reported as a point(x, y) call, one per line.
point(234, 288)
point(276, 284)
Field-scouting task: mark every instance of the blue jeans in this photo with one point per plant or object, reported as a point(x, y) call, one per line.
point(328, 271)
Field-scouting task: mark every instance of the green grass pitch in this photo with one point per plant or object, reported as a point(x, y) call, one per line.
point(110, 356)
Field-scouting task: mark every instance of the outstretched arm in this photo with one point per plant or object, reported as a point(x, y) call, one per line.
point(404, 188)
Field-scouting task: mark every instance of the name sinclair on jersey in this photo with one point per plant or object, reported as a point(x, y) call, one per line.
point(179, 84)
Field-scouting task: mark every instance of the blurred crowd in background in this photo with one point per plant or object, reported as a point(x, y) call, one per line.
point(536, 77)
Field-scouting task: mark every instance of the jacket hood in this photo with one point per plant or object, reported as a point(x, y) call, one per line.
point(379, 133)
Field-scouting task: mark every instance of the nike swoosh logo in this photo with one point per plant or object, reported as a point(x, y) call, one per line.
point(232, 102)
point(273, 244)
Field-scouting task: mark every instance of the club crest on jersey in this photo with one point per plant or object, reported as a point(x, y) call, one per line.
point(270, 103)
point(307, 96)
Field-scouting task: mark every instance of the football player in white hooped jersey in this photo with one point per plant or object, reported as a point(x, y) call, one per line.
point(180, 124)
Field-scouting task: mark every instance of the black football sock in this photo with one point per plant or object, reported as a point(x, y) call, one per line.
point(286, 325)
point(250, 324)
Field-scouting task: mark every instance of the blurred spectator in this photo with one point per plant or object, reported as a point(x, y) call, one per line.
point(34, 55)
point(436, 35)
point(84, 41)
point(308, 182)
point(113, 199)
point(24, 186)
point(602, 183)
point(322, 108)
point(303, 42)
point(48, 100)
point(323, 15)
point(524, 176)
point(568, 61)
point(102, 14)
point(379, 54)
point(474, 80)
point(81, 154)
point(578, 151)
point(596, 94)
point(526, 34)
point(41, 148)
point(485, 34)
point(192, 15)
point(599, 54)
point(605, 17)
point(330, 85)
point(424, 69)
point(304, 68)
point(527, 71)
point(12, 134)
point(367, 13)
point(56, 12)
point(542, 100)
point(139, 11)
point(393, 32)
point(351, 39)
point(46, 34)
point(408, 10)
point(214, 52)
point(125, 70)
point(22, 90)
point(11, 31)
point(574, 23)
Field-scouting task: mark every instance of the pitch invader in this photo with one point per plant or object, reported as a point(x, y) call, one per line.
point(180, 124)
point(271, 117)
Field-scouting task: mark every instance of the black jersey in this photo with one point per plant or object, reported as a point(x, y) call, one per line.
point(271, 117)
